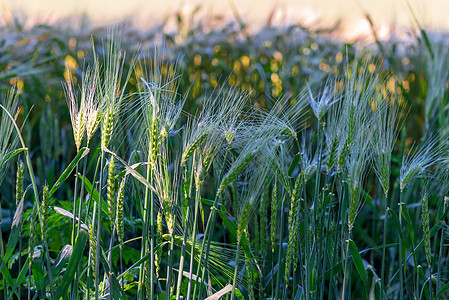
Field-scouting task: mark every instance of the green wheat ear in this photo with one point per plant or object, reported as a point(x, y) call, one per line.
point(426, 229)
point(235, 171)
point(119, 211)
point(44, 209)
point(93, 115)
point(111, 190)
point(332, 155)
point(243, 220)
point(194, 145)
point(416, 163)
point(93, 248)
point(78, 112)
point(19, 183)
point(347, 145)
point(158, 254)
point(293, 223)
point(155, 141)
point(249, 270)
point(386, 129)
point(31, 241)
point(107, 126)
point(353, 207)
point(321, 104)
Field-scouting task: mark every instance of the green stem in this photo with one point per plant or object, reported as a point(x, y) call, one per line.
point(2, 253)
point(210, 222)
point(181, 260)
point(278, 277)
point(439, 256)
point(323, 269)
point(184, 241)
point(205, 245)
point(335, 247)
point(345, 271)
point(87, 295)
point(384, 242)
point(307, 244)
point(82, 192)
point(77, 276)
point(111, 244)
point(316, 199)
point(317, 181)
point(20, 260)
point(272, 268)
point(147, 221)
point(170, 261)
point(97, 252)
point(401, 275)
point(234, 281)
point(121, 264)
point(89, 202)
point(75, 206)
point(192, 253)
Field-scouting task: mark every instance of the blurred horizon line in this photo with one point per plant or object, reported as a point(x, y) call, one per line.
point(347, 27)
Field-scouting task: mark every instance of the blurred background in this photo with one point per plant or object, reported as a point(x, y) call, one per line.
point(143, 14)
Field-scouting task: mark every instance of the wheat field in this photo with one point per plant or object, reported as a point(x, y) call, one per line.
point(211, 162)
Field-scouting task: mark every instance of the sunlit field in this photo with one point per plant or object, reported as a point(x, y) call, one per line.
point(216, 160)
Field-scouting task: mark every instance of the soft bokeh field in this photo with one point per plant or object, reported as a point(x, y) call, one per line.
point(432, 13)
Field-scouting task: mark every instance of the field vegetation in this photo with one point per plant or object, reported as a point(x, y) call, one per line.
point(216, 161)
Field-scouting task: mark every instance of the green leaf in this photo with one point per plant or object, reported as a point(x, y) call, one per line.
point(312, 271)
point(7, 277)
point(22, 273)
point(238, 294)
point(443, 290)
point(75, 260)
point(409, 222)
point(38, 273)
point(16, 227)
point(11, 154)
point(294, 163)
point(358, 263)
point(83, 152)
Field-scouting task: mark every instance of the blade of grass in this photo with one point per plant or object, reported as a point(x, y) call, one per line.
point(358, 264)
point(75, 259)
point(83, 152)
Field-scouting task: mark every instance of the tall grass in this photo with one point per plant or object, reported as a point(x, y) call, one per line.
point(325, 193)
